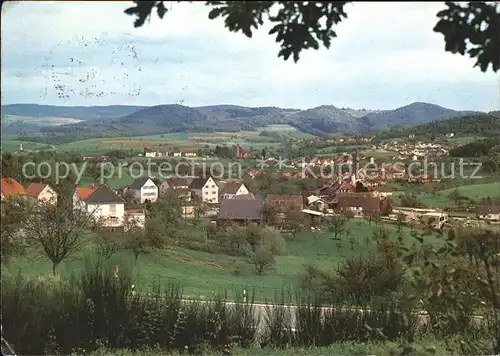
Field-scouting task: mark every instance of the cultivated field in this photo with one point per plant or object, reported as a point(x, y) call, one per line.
point(175, 141)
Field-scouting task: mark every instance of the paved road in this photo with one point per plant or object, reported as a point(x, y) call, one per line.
point(261, 310)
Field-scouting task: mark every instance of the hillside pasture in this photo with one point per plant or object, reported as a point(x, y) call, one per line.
point(14, 145)
point(477, 191)
point(203, 274)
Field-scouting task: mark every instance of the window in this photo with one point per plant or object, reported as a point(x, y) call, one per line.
point(213, 192)
point(206, 193)
point(112, 209)
point(213, 185)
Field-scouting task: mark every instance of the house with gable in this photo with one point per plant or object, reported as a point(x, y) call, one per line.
point(205, 189)
point(142, 189)
point(489, 212)
point(41, 192)
point(103, 203)
point(179, 185)
point(360, 204)
point(232, 189)
point(11, 187)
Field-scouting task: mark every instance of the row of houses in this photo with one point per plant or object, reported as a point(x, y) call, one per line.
point(99, 200)
point(153, 153)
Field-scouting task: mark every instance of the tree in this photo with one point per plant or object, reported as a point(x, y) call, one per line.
point(13, 240)
point(143, 240)
point(107, 244)
point(264, 243)
point(271, 214)
point(167, 212)
point(336, 225)
point(58, 232)
point(262, 258)
point(458, 280)
point(296, 221)
point(400, 222)
point(360, 188)
point(468, 28)
point(455, 196)
point(200, 210)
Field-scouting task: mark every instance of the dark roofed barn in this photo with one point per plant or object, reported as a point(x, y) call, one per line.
point(358, 203)
point(241, 210)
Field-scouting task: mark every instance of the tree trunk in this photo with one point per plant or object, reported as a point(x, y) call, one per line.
point(54, 268)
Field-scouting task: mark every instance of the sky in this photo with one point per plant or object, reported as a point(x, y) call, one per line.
point(88, 53)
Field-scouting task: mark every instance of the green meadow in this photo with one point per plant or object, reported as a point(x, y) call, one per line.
point(203, 274)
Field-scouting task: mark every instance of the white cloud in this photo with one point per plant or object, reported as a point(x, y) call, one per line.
point(386, 54)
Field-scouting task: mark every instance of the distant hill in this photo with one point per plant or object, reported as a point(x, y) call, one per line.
point(20, 119)
point(321, 120)
point(409, 115)
point(473, 125)
point(494, 113)
point(73, 112)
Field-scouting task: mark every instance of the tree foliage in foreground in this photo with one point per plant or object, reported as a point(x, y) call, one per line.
point(52, 229)
point(470, 28)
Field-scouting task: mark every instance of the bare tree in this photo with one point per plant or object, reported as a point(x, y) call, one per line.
point(55, 230)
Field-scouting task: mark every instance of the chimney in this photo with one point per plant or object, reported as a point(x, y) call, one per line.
point(20, 147)
point(353, 179)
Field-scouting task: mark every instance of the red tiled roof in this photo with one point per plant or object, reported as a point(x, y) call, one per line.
point(34, 189)
point(10, 187)
point(84, 192)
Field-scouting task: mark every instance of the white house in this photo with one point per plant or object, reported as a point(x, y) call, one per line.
point(382, 191)
point(489, 212)
point(232, 189)
point(102, 203)
point(143, 189)
point(205, 189)
point(137, 217)
point(41, 192)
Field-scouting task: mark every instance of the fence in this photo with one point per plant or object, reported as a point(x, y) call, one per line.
point(210, 290)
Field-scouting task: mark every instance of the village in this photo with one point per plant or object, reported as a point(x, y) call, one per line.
point(357, 192)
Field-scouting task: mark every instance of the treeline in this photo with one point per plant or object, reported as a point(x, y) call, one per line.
point(479, 148)
point(477, 125)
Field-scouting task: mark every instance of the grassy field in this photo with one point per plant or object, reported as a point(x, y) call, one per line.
point(14, 145)
point(286, 130)
point(440, 199)
point(204, 274)
point(462, 140)
point(477, 191)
